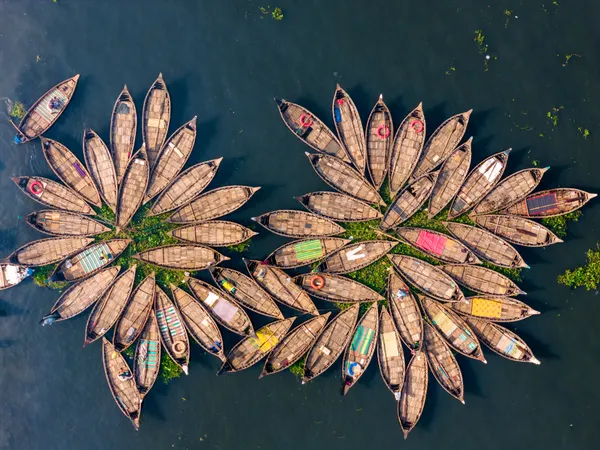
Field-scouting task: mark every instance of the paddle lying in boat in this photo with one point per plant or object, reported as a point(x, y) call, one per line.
point(216, 233)
point(339, 207)
point(172, 331)
point(437, 245)
point(133, 186)
point(495, 309)
point(12, 274)
point(298, 224)
point(101, 167)
point(380, 136)
point(182, 257)
point(405, 311)
point(304, 252)
point(389, 354)
point(64, 223)
point(356, 256)
point(47, 251)
point(336, 288)
point(146, 361)
point(123, 125)
point(414, 393)
point(550, 203)
point(518, 230)
point(53, 194)
point(156, 116)
point(483, 280)
point(349, 128)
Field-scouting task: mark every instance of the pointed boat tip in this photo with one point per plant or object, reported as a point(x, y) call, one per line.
point(218, 160)
point(262, 374)
point(160, 75)
point(254, 219)
point(307, 154)
point(591, 195)
point(185, 369)
point(405, 434)
point(483, 360)
point(76, 77)
point(468, 113)
point(545, 169)
point(535, 361)
point(380, 97)
point(534, 312)
point(420, 106)
point(255, 189)
point(462, 401)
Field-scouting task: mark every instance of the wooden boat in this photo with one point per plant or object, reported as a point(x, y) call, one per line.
point(451, 177)
point(223, 308)
point(495, 309)
point(405, 311)
point(53, 194)
point(280, 286)
point(182, 257)
point(486, 245)
point(427, 278)
point(121, 383)
point(483, 280)
point(339, 207)
point(147, 358)
point(46, 110)
point(304, 252)
point(245, 291)
point(294, 345)
point(437, 245)
point(101, 167)
point(356, 256)
point(298, 224)
point(172, 331)
point(502, 341)
point(107, 310)
point(47, 251)
point(443, 364)
point(452, 328)
point(359, 353)
point(186, 187)
point(408, 201)
point(199, 323)
point(135, 315)
point(389, 354)
point(64, 223)
point(331, 343)
point(216, 233)
point(380, 137)
point(510, 190)
point(132, 188)
point(480, 181)
point(213, 204)
point(414, 393)
point(406, 149)
point(171, 159)
point(349, 128)
point(156, 116)
point(252, 349)
point(518, 230)
point(12, 274)
point(123, 125)
point(80, 296)
point(343, 178)
point(310, 130)
point(336, 288)
point(550, 203)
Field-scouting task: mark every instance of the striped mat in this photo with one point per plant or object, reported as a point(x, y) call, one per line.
point(362, 340)
point(94, 257)
point(308, 250)
point(148, 356)
point(169, 322)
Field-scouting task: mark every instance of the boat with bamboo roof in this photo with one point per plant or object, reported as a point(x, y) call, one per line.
point(298, 224)
point(550, 203)
point(172, 331)
point(222, 307)
point(46, 110)
point(213, 204)
point(53, 194)
point(132, 188)
point(495, 309)
point(216, 233)
point(349, 128)
point(356, 256)
point(147, 357)
point(405, 311)
point(428, 278)
point(101, 167)
point(359, 353)
point(331, 343)
point(156, 116)
point(294, 345)
point(438, 245)
point(12, 274)
point(518, 230)
point(390, 355)
point(380, 137)
point(343, 178)
point(483, 280)
point(191, 257)
point(414, 393)
point(121, 383)
point(64, 223)
point(336, 288)
point(339, 207)
point(443, 364)
point(480, 181)
point(310, 129)
point(252, 349)
point(123, 125)
point(304, 252)
point(48, 251)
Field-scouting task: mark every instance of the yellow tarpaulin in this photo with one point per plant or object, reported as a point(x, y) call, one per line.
point(265, 340)
point(483, 307)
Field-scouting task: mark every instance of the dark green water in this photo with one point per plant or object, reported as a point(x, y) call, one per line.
point(225, 63)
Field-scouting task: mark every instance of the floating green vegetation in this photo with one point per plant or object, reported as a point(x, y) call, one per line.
point(559, 224)
point(241, 247)
point(568, 58)
point(587, 276)
point(276, 13)
point(553, 115)
point(507, 13)
point(450, 70)
point(298, 367)
point(169, 370)
point(535, 162)
point(18, 110)
point(41, 275)
point(480, 41)
point(584, 132)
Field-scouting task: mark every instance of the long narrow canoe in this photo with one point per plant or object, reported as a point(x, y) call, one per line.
point(336, 288)
point(304, 252)
point(123, 125)
point(480, 181)
point(172, 331)
point(133, 186)
point(518, 230)
point(12, 274)
point(53, 194)
point(437, 245)
point(101, 167)
point(550, 203)
point(389, 354)
point(356, 256)
point(339, 207)
point(495, 309)
point(414, 393)
point(216, 233)
point(182, 257)
point(46, 110)
point(331, 343)
point(405, 312)
point(48, 251)
point(349, 128)
point(64, 223)
point(298, 224)
point(482, 280)
point(146, 361)
point(156, 116)
point(380, 137)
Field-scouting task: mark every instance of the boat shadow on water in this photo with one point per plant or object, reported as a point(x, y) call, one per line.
point(6, 343)
point(478, 121)
point(541, 350)
point(10, 310)
point(469, 373)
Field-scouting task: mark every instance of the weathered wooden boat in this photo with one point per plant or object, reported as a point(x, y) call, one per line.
point(280, 286)
point(64, 223)
point(123, 125)
point(121, 383)
point(437, 245)
point(132, 188)
point(443, 364)
point(427, 278)
point(48, 251)
point(223, 308)
point(12, 274)
point(53, 194)
point(510, 190)
point(380, 137)
point(245, 290)
point(480, 181)
point(101, 167)
point(349, 128)
point(414, 393)
point(482, 280)
point(146, 361)
point(172, 331)
point(294, 345)
point(331, 343)
point(486, 245)
point(450, 178)
point(216, 233)
point(310, 129)
point(356, 256)
point(298, 224)
point(304, 252)
point(45, 111)
point(339, 207)
point(518, 230)
point(336, 288)
point(405, 312)
point(252, 349)
point(359, 353)
point(550, 203)
point(389, 354)
point(213, 204)
point(182, 257)
point(495, 309)
point(408, 201)
point(156, 116)
point(406, 149)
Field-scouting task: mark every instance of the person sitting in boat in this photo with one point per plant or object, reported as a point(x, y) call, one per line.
point(124, 376)
point(54, 104)
point(50, 319)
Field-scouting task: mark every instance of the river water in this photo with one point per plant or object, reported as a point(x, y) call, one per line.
point(225, 61)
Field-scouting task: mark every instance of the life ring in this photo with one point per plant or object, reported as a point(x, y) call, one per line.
point(417, 125)
point(383, 131)
point(306, 120)
point(179, 347)
point(317, 282)
point(36, 188)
